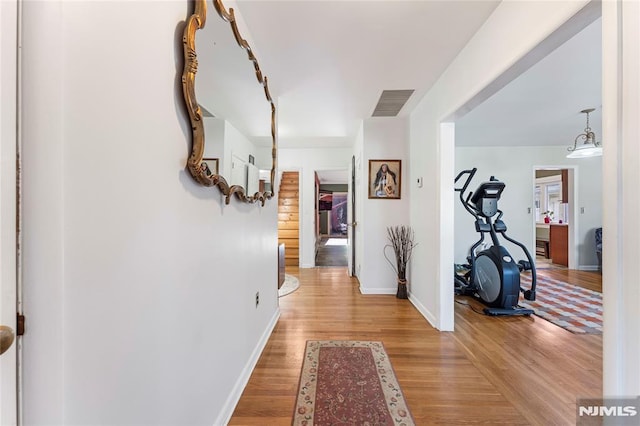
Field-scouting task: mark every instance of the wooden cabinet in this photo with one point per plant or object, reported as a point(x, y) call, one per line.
point(281, 262)
point(559, 244)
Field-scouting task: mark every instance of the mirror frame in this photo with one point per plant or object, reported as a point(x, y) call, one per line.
point(195, 22)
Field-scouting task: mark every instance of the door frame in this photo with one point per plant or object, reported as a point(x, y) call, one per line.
point(574, 224)
point(9, 196)
point(352, 222)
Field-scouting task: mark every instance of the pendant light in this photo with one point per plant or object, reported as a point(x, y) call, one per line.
point(588, 147)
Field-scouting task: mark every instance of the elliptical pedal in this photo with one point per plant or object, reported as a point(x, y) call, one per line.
point(507, 311)
point(524, 265)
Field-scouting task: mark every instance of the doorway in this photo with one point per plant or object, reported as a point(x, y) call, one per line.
point(288, 217)
point(553, 217)
point(332, 206)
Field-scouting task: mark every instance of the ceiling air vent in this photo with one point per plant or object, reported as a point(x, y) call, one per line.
point(391, 102)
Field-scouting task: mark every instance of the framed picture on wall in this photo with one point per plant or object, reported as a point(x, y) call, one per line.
point(384, 179)
point(210, 166)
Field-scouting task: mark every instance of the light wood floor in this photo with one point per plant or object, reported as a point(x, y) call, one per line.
point(491, 370)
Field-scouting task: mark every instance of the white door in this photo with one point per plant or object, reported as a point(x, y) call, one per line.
point(8, 275)
point(238, 171)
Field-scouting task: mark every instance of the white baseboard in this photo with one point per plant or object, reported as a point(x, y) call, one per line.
point(424, 311)
point(382, 290)
point(233, 399)
point(588, 268)
point(307, 265)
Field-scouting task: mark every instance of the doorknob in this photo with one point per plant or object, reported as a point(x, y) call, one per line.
point(352, 224)
point(6, 338)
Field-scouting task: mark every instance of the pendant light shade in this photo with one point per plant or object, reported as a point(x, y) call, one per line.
point(585, 144)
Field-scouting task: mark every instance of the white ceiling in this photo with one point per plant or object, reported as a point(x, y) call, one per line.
point(328, 61)
point(334, 176)
point(542, 106)
point(226, 83)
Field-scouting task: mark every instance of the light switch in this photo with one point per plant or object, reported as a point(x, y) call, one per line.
point(419, 182)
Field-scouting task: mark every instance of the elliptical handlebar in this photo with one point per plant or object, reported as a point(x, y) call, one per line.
point(464, 202)
point(471, 173)
point(531, 293)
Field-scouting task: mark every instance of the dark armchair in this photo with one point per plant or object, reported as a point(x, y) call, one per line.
point(599, 245)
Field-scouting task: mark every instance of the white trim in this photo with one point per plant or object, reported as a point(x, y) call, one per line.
point(9, 116)
point(423, 311)
point(588, 268)
point(620, 177)
point(446, 318)
point(19, 214)
point(380, 290)
point(574, 216)
point(234, 397)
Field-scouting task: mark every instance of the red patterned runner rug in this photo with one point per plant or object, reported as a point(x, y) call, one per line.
point(349, 383)
point(573, 308)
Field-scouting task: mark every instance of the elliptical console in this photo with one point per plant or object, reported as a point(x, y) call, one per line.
point(493, 276)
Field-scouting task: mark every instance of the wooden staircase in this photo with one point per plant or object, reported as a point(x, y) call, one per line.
point(288, 217)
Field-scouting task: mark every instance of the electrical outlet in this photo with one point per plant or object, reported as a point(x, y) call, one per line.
point(257, 298)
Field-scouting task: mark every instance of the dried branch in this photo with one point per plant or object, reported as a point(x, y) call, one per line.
point(402, 239)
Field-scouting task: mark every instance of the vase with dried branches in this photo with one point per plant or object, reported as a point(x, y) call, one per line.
point(402, 241)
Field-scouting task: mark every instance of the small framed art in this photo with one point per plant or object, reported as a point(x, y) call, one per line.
point(385, 177)
point(210, 166)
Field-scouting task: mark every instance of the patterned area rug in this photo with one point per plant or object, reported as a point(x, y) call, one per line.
point(571, 307)
point(349, 383)
point(290, 285)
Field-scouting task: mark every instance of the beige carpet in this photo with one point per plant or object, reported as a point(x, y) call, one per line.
point(290, 285)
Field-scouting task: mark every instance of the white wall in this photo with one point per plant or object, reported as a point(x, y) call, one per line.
point(214, 131)
point(306, 162)
point(8, 205)
point(384, 138)
point(232, 148)
point(621, 170)
point(237, 149)
point(263, 157)
point(514, 166)
point(498, 52)
point(139, 285)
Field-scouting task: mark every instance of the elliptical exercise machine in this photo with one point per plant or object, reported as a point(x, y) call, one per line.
point(493, 276)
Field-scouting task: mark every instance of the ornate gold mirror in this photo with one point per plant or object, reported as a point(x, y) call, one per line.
point(234, 137)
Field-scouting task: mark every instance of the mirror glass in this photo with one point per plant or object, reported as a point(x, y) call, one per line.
point(236, 113)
